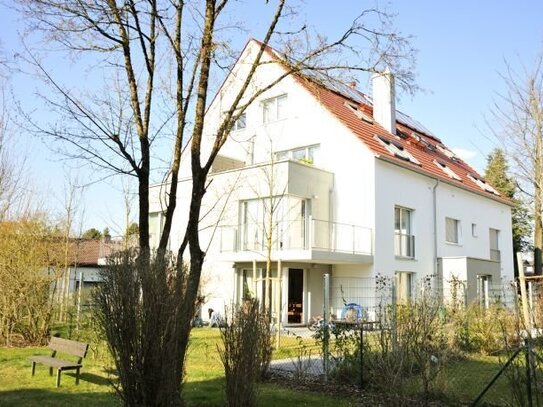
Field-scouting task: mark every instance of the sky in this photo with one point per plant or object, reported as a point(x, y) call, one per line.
point(463, 47)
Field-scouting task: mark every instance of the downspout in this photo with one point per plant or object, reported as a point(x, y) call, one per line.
point(434, 204)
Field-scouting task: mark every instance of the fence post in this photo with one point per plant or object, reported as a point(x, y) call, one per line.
point(394, 316)
point(361, 351)
point(523, 295)
point(326, 333)
point(528, 350)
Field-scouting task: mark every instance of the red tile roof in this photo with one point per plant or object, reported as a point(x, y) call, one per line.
point(424, 147)
point(93, 252)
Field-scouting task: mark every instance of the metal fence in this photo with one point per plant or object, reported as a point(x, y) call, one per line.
point(429, 349)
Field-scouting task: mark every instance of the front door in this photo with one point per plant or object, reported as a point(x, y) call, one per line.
point(295, 296)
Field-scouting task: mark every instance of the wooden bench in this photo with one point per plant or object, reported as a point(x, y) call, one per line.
point(64, 346)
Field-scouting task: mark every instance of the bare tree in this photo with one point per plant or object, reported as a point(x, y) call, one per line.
point(16, 198)
point(161, 59)
point(518, 125)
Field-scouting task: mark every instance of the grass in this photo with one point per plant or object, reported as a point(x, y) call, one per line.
point(463, 380)
point(204, 382)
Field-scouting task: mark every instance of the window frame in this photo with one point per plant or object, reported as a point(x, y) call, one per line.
point(308, 151)
point(404, 288)
point(236, 127)
point(457, 231)
point(399, 232)
point(266, 117)
point(494, 244)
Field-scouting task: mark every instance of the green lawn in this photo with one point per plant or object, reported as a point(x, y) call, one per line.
point(203, 385)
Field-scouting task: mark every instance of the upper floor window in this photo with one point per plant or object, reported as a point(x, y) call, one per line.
point(452, 230)
point(302, 154)
point(494, 235)
point(274, 109)
point(241, 122)
point(404, 241)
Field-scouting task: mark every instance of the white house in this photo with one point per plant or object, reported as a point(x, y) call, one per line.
point(350, 187)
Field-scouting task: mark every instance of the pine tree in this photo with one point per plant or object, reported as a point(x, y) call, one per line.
point(497, 174)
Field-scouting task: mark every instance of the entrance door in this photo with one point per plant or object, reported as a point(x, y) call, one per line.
point(295, 296)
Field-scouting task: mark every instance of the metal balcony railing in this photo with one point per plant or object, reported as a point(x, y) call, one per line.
point(404, 245)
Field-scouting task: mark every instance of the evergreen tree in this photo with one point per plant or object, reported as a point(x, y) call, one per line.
point(497, 174)
point(92, 233)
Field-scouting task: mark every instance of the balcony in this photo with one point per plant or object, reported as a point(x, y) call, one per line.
point(309, 240)
point(404, 245)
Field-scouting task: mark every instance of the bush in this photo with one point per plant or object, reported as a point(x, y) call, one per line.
point(246, 352)
point(485, 331)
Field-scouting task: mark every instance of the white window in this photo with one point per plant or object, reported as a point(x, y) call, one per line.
point(156, 226)
point(305, 155)
point(288, 226)
point(404, 286)
point(274, 109)
point(483, 290)
point(241, 122)
point(404, 241)
point(452, 230)
point(494, 235)
point(396, 149)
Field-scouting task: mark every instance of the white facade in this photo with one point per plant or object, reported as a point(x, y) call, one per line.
point(335, 207)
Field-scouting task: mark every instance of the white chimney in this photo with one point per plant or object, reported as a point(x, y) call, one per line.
point(384, 100)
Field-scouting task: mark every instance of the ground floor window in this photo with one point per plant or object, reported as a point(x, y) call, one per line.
point(404, 286)
point(483, 290)
point(252, 284)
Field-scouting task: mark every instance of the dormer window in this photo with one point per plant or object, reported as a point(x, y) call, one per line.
point(359, 113)
point(447, 170)
point(396, 149)
point(483, 184)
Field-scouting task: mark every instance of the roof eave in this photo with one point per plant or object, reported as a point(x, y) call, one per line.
point(413, 167)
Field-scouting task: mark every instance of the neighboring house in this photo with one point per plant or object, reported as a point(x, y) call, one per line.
point(350, 187)
point(87, 258)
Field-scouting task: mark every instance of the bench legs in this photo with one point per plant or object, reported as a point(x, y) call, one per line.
point(33, 368)
point(59, 372)
point(77, 376)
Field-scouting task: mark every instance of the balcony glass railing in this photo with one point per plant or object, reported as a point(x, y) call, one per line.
point(404, 245)
point(300, 234)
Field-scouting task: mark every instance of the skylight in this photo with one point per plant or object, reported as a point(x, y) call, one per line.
point(447, 152)
point(360, 114)
point(396, 149)
point(483, 184)
point(447, 170)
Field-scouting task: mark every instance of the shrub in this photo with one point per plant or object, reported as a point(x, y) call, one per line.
point(246, 352)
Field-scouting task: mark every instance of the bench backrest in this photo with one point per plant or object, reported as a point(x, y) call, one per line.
point(74, 348)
